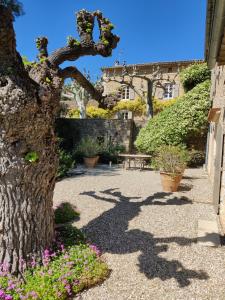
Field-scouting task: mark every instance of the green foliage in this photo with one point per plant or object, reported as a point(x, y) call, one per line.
point(15, 5)
point(137, 106)
point(110, 152)
point(31, 157)
point(185, 119)
point(171, 159)
point(193, 75)
point(26, 62)
point(160, 105)
point(66, 162)
point(62, 274)
point(89, 147)
point(72, 42)
point(197, 158)
point(70, 235)
point(65, 212)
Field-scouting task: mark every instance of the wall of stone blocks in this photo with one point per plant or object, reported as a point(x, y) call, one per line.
point(218, 98)
point(117, 131)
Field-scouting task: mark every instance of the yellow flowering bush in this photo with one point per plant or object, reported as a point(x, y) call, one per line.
point(160, 105)
point(94, 112)
point(137, 106)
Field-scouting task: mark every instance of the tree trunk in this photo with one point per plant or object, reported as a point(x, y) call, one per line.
point(28, 164)
point(29, 104)
point(149, 109)
point(27, 115)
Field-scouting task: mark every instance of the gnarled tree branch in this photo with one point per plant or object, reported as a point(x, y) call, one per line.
point(73, 72)
point(87, 46)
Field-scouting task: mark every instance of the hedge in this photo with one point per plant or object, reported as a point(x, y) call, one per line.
point(184, 120)
point(194, 74)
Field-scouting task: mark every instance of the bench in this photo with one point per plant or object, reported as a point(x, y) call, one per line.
point(136, 158)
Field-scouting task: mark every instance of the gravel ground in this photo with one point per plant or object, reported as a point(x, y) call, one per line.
point(148, 237)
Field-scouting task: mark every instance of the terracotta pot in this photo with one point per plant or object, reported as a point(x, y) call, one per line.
point(91, 162)
point(170, 182)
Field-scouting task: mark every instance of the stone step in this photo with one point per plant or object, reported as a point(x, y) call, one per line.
point(208, 233)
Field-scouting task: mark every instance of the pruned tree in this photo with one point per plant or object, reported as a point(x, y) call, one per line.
point(127, 79)
point(29, 101)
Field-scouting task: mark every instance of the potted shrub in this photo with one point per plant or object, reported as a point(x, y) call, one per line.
point(171, 161)
point(90, 148)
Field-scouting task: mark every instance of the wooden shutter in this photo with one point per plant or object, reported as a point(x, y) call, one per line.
point(132, 94)
point(175, 90)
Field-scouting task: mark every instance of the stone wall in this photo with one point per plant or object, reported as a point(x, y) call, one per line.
point(216, 153)
point(117, 131)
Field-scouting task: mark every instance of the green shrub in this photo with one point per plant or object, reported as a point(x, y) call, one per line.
point(171, 159)
point(65, 212)
point(197, 158)
point(66, 162)
point(89, 147)
point(194, 74)
point(160, 105)
point(185, 119)
point(63, 273)
point(110, 153)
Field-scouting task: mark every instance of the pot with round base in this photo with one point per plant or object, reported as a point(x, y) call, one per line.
point(91, 162)
point(170, 182)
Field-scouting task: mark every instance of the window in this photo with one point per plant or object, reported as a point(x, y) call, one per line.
point(125, 115)
point(125, 93)
point(168, 91)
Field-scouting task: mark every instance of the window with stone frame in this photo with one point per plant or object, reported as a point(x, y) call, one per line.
point(125, 115)
point(168, 91)
point(125, 93)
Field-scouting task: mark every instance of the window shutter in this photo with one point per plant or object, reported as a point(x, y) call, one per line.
point(160, 94)
point(131, 92)
point(175, 90)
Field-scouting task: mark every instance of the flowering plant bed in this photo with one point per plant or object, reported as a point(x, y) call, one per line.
point(63, 272)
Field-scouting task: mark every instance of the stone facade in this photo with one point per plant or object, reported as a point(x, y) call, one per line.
point(166, 80)
point(116, 131)
point(215, 57)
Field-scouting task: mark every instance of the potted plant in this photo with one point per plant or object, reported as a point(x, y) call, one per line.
point(90, 148)
point(171, 161)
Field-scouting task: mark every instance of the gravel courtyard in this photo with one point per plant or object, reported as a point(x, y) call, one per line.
point(148, 237)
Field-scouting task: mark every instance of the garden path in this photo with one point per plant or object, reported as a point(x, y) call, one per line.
point(148, 237)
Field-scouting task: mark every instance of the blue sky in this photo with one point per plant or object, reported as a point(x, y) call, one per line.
point(150, 30)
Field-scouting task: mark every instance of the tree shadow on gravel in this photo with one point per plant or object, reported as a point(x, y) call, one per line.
point(110, 232)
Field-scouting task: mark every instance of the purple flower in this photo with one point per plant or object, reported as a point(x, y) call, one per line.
point(76, 281)
point(95, 249)
point(33, 262)
point(68, 289)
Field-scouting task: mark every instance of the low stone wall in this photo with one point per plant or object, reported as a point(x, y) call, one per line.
point(117, 131)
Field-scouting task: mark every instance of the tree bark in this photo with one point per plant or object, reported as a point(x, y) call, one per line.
point(29, 104)
point(149, 110)
point(27, 115)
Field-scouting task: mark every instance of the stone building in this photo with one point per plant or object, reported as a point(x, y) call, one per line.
point(215, 57)
point(132, 81)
